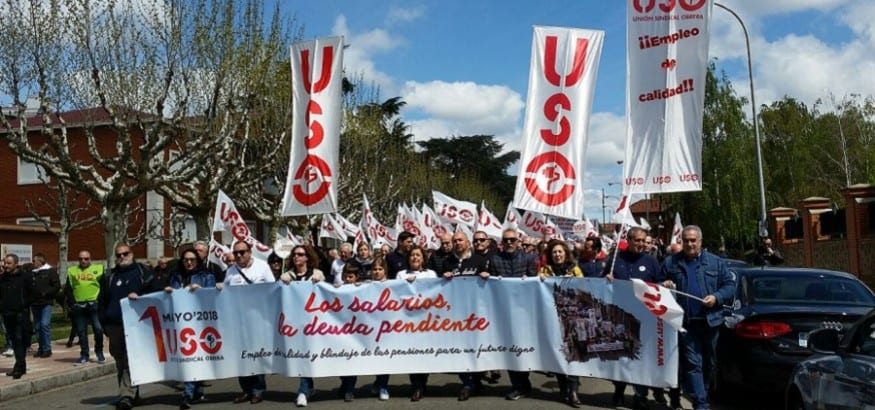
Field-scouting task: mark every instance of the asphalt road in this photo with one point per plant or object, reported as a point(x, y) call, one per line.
point(442, 391)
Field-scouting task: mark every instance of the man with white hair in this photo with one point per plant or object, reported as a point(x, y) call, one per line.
point(337, 266)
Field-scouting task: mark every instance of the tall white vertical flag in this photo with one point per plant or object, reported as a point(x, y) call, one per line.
point(311, 183)
point(677, 229)
point(562, 76)
point(667, 60)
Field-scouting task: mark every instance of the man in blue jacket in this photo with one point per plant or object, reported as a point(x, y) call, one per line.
point(703, 275)
point(128, 279)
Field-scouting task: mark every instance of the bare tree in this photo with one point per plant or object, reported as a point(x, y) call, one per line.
point(182, 90)
point(72, 211)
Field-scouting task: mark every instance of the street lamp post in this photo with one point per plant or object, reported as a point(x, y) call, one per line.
point(604, 217)
point(763, 230)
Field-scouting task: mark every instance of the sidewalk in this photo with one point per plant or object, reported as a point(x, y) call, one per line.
point(53, 372)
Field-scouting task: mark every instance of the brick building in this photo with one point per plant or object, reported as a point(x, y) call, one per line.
point(21, 227)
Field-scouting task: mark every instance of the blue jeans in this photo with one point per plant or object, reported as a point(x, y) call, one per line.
point(42, 322)
point(306, 386)
point(347, 384)
point(381, 381)
point(193, 390)
point(519, 381)
point(83, 314)
point(254, 385)
point(698, 346)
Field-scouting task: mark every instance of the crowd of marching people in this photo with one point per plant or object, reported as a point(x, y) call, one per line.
point(95, 295)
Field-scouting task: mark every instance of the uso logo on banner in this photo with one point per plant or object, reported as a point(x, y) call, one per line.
point(191, 342)
point(646, 6)
point(314, 169)
point(556, 172)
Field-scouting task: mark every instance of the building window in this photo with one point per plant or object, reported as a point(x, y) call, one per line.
point(38, 221)
point(30, 173)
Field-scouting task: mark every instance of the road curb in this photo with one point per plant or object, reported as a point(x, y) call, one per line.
point(25, 387)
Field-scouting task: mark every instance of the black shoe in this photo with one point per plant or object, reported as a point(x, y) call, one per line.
point(417, 395)
point(514, 395)
point(617, 399)
point(45, 354)
point(572, 400)
point(640, 403)
point(126, 403)
point(659, 396)
point(37, 354)
point(465, 393)
point(676, 405)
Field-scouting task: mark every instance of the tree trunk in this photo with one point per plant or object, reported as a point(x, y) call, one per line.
point(202, 224)
point(115, 229)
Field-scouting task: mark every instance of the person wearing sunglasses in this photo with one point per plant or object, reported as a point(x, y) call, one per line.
point(248, 271)
point(512, 262)
point(304, 268)
point(483, 245)
point(130, 279)
point(83, 286)
point(191, 274)
point(465, 262)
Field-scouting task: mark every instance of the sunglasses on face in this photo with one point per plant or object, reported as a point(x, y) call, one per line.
point(299, 254)
point(189, 260)
point(84, 259)
point(122, 254)
point(240, 253)
point(509, 240)
point(478, 240)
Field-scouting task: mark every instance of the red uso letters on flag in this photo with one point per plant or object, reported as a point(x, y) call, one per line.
point(316, 109)
point(561, 78)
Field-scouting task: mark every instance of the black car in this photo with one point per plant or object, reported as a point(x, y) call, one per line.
point(841, 375)
point(766, 329)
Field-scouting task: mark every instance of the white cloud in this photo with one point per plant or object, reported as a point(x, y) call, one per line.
point(358, 57)
point(464, 108)
point(750, 9)
point(804, 67)
point(399, 15)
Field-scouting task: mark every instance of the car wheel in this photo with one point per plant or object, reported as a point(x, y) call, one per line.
point(794, 400)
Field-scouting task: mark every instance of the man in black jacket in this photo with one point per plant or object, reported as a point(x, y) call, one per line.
point(16, 295)
point(46, 284)
point(127, 279)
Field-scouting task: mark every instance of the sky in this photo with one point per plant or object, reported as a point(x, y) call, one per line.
point(462, 66)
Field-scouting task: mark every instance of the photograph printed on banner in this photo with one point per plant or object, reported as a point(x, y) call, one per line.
point(594, 330)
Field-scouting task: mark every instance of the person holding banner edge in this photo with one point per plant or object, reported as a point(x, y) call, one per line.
point(127, 279)
point(702, 275)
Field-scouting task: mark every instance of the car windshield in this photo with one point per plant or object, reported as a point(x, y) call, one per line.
point(792, 289)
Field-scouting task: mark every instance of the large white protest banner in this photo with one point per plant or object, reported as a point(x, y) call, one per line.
point(667, 58)
point(584, 326)
point(317, 74)
point(562, 76)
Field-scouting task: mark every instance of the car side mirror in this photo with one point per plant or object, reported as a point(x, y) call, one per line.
point(824, 341)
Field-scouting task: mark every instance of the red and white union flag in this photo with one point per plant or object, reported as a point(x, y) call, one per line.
point(561, 86)
point(311, 183)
